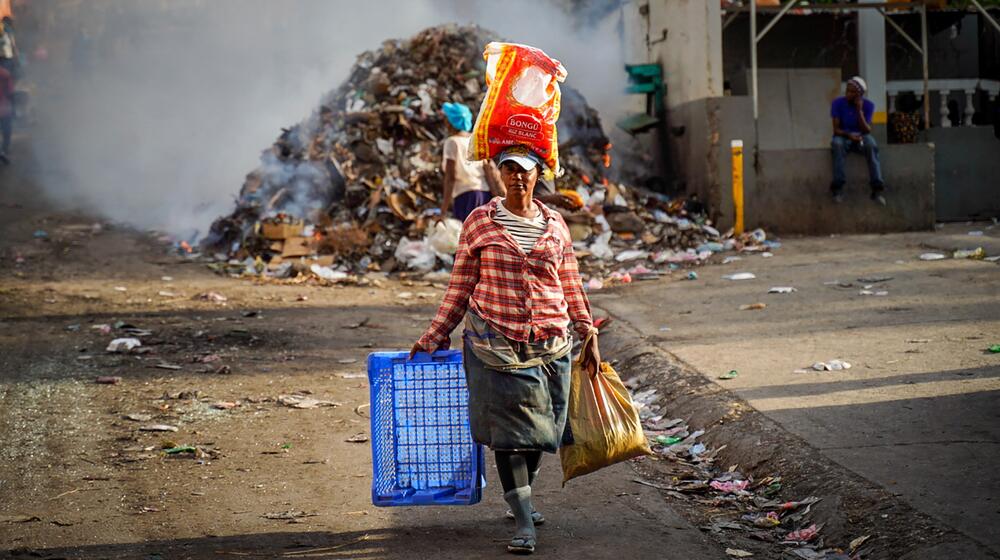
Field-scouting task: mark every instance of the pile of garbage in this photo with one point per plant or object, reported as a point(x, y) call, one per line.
point(756, 510)
point(356, 186)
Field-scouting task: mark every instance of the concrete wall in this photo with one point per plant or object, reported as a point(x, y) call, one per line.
point(967, 160)
point(792, 192)
point(685, 37)
point(794, 106)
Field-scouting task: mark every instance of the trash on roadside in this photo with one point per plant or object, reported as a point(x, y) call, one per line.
point(181, 449)
point(103, 328)
point(932, 257)
point(357, 438)
point(289, 515)
point(225, 405)
point(879, 293)
point(214, 297)
point(123, 345)
point(738, 553)
point(832, 365)
point(753, 306)
point(740, 276)
point(304, 401)
point(108, 380)
point(782, 290)
point(994, 349)
point(165, 365)
point(976, 254)
point(158, 428)
point(803, 535)
point(730, 486)
point(874, 279)
point(731, 374)
point(692, 275)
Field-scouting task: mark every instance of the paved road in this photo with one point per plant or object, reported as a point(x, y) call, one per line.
point(919, 411)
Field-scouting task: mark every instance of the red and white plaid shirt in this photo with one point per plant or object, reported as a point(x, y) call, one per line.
point(517, 294)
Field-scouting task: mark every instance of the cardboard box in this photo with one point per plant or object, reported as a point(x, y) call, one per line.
point(297, 247)
point(280, 231)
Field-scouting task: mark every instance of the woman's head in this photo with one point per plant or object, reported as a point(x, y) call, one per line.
point(519, 170)
point(459, 116)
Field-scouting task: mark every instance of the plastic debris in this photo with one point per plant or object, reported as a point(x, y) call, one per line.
point(803, 535)
point(158, 428)
point(123, 345)
point(994, 349)
point(304, 401)
point(782, 290)
point(976, 254)
point(832, 365)
point(730, 486)
point(879, 293)
point(932, 257)
point(731, 374)
point(740, 276)
point(692, 275)
point(738, 553)
point(753, 306)
point(357, 438)
point(108, 380)
point(215, 297)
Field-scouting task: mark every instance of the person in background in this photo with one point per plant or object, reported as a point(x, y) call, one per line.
point(517, 286)
point(852, 132)
point(467, 184)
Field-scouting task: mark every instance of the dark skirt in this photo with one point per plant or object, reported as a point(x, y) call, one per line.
point(468, 201)
point(518, 410)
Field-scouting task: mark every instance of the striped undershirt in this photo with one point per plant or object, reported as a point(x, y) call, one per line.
point(525, 231)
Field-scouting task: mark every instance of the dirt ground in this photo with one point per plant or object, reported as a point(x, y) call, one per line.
point(79, 479)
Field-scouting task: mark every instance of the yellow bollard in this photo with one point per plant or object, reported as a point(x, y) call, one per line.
point(737, 152)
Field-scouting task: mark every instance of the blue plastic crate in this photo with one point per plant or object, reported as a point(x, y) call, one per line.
point(422, 448)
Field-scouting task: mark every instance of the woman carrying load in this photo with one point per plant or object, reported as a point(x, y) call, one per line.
point(467, 184)
point(516, 285)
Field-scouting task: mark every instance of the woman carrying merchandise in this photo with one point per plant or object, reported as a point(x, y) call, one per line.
point(517, 286)
point(467, 184)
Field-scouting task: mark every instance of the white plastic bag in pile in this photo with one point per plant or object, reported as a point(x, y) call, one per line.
point(416, 254)
point(443, 235)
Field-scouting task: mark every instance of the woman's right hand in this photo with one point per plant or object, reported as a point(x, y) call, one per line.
point(418, 348)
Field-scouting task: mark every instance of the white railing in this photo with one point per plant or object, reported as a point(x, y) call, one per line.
point(945, 88)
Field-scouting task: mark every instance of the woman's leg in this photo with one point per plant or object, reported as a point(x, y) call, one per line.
point(533, 459)
point(513, 470)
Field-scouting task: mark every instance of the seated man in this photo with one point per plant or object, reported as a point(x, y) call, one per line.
point(852, 116)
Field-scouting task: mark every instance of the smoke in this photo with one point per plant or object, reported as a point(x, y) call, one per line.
point(159, 109)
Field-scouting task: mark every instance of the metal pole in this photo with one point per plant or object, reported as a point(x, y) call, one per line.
point(753, 73)
point(777, 18)
point(736, 153)
point(923, 45)
point(986, 14)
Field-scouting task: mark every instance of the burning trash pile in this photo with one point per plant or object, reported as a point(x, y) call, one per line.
point(356, 187)
point(757, 512)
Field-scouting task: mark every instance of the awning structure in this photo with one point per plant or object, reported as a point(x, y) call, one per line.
point(886, 9)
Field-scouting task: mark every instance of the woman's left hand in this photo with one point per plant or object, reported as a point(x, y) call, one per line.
point(592, 356)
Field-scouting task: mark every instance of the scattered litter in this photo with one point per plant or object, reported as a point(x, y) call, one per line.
point(105, 329)
point(932, 257)
point(225, 405)
point(123, 345)
point(976, 254)
point(874, 279)
point(803, 535)
point(121, 289)
point(738, 553)
point(731, 374)
point(918, 340)
point(357, 438)
point(287, 515)
point(212, 296)
point(19, 518)
point(692, 275)
point(108, 380)
point(832, 365)
point(976, 233)
point(782, 290)
point(181, 449)
point(664, 329)
point(303, 401)
point(767, 254)
point(753, 306)
point(740, 276)
point(995, 349)
point(158, 428)
point(856, 543)
point(165, 365)
point(728, 260)
point(879, 293)
point(167, 278)
point(730, 486)
point(138, 417)
point(40, 234)
point(346, 361)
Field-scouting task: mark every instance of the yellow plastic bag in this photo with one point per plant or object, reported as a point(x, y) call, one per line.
point(605, 423)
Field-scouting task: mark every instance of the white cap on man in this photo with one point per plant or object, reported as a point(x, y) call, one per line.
point(859, 83)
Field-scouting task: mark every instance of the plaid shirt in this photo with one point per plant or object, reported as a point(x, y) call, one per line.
point(517, 294)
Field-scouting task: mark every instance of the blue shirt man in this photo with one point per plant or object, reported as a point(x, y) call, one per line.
point(852, 117)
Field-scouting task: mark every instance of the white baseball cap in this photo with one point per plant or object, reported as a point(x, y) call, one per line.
point(521, 155)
